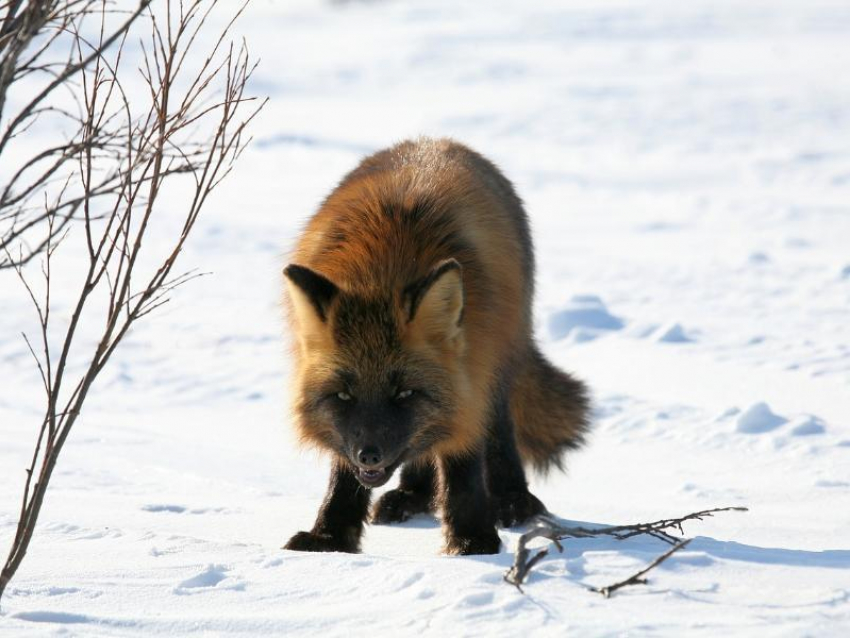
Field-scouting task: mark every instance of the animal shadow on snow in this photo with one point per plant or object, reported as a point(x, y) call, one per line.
point(702, 550)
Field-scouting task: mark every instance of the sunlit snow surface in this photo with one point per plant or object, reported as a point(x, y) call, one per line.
point(686, 167)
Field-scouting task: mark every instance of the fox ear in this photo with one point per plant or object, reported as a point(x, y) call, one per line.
point(434, 304)
point(312, 295)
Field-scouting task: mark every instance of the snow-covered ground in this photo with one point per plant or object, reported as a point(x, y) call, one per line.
point(686, 166)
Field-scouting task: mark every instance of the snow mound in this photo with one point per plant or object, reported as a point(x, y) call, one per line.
point(671, 333)
point(808, 425)
point(759, 418)
point(584, 318)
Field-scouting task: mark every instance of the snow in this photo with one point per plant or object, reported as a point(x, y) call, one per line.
point(759, 418)
point(687, 173)
point(584, 318)
point(671, 333)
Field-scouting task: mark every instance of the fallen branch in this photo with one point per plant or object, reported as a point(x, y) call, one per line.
point(638, 579)
point(546, 526)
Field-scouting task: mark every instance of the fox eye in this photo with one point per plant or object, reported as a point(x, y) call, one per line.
point(343, 396)
point(404, 394)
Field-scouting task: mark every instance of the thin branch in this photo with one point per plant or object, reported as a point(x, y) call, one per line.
point(638, 578)
point(127, 155)
point(70, 71)
point(547, 526)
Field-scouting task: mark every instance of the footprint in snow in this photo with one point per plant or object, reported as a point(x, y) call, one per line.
point(158, 508)
point(207, 579)
point(411, 580)
point(174, 509)
point(476, 600)
point(832, 484)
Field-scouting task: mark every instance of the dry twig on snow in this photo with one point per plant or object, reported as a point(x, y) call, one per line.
point(549, 527)
point(638, 578)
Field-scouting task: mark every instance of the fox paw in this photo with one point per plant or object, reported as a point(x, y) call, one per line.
point(484, 543)
point(318, 542)
point(398, 505)
point(515, 508)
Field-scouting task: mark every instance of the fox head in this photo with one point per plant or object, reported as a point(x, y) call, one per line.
point(378, 379)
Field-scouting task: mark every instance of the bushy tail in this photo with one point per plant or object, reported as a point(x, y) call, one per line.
point(550, 411)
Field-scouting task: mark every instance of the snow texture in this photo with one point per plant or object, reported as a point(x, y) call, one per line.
point(686, 168)
point(671, 333)
point(758, 418)
point(583, 318)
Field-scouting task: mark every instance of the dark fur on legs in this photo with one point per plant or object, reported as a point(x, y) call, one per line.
point(468, 519)
point(339, 525)
point(506, 483)
point(506, 480)
point(414, 495)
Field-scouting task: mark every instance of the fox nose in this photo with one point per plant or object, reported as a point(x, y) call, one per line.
point(370, 457)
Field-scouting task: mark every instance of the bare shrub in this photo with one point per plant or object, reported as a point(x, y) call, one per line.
point(104, 180)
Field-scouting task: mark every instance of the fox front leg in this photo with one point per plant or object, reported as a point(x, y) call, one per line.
point(339, 525)
point(469, 522)
point(506, 481)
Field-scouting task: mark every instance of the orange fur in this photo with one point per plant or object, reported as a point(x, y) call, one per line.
point(391, 222)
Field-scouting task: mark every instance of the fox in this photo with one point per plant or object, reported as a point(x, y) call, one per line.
point(410, 296)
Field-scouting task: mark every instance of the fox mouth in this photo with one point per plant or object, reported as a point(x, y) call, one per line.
point(375, 477)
